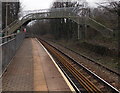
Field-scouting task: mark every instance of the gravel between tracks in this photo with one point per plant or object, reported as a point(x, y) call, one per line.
point(108, 76)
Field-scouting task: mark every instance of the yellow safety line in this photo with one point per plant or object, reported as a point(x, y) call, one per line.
point(66, 80)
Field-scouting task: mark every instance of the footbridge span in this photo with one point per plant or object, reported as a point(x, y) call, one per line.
point(69, 13)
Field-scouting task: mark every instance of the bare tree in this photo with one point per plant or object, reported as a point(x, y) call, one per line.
point(113, 7)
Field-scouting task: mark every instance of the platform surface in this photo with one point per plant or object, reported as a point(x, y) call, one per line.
point(32, 70)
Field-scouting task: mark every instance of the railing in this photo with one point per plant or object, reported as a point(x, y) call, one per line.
point(8, 47)
point(62, 13)
point(107, 32)
point(99, 27)
point(9, 26)
point(67, 13)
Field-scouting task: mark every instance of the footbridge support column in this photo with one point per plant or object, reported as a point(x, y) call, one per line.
point(81, 30)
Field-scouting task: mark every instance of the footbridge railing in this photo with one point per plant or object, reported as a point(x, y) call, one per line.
point(61, 13)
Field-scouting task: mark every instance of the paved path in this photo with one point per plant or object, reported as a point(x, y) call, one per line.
point(33, 70)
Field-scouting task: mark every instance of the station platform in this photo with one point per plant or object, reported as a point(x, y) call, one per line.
point(32, 69)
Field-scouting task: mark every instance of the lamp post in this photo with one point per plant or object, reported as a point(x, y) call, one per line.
point(7, 13)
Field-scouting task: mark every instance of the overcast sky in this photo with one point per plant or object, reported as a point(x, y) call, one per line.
point(43, 4)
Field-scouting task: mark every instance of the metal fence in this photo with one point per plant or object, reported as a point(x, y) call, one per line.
point(9, 46)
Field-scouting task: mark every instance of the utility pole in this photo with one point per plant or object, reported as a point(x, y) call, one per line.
point(7, 17)
point(85, 18)
point(7, 14)
point(78, 29)
point(85, 26)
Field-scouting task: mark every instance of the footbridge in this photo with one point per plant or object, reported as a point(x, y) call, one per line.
point(69, 13)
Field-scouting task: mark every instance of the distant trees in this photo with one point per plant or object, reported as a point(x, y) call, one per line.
point(62, 27)
point(58, 28)
point(113, 6)
point(68, 29)
point(104, 17)
point(39, 27)
point(11, 10)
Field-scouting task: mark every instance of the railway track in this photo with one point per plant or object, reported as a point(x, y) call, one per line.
point(87, 79)
point(91, 60)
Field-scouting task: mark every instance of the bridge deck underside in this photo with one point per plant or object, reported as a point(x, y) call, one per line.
point(32, 70)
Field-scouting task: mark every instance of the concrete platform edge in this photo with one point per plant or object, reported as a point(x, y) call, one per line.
point(65, 78)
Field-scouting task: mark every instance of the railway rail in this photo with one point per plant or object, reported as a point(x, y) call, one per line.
point(89, 80)
point(90, 59)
